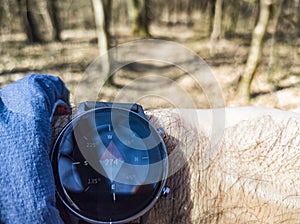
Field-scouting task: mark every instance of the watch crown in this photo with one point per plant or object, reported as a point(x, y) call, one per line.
point(165, 192)
point(161, 132)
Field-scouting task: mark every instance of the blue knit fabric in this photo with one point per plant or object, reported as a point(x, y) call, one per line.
point(27, 189)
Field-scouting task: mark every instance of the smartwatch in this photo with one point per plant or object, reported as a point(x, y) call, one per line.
point(110, 165)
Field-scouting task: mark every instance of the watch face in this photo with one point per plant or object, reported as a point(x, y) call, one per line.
point(110, 165)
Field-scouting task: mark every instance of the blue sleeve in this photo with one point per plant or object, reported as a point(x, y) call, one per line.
point(27, 186)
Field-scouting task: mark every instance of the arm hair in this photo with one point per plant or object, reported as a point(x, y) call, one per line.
point(253, 177)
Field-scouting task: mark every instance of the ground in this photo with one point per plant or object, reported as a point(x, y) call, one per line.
point(276, 88)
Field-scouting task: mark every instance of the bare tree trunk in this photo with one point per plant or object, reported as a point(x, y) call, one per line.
point(297, 18)
point(259, 31)
point(5, 16)
point(37, 20)
point(190, 9)
point(277, 9)
point(103, 40)
point(107, 7)
point(211, 14)
point(203, 4)
point(231, 14)
point(55, 12)
point(217, 27)
point(138, 11)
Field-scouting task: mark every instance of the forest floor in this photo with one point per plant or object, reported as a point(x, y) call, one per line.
point(278, 87)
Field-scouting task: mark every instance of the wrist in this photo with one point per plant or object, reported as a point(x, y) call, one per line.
point(119, 134)
point(185, 143)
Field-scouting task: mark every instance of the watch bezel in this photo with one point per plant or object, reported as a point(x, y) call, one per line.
point(61, 191)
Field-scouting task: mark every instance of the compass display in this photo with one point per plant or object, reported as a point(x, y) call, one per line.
point(110, 167)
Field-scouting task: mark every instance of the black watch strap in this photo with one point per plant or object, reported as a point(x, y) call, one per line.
point(88, 105)
point(69, 218)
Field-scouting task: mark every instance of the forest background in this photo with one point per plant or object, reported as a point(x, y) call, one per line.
point(252, 46)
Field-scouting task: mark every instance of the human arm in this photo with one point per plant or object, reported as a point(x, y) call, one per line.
point(253, 173)
point(27, 192)
point(254, 176)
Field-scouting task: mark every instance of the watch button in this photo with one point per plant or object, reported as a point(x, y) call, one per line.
point(161, 132)
point(165, 192)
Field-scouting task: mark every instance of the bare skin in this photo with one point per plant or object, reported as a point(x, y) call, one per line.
point(251, 176)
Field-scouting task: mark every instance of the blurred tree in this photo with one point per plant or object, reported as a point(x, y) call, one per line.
point(5, 16)
point(37, 20)
point(102, 35)
point(107, 4)
point(276, 10)
point(139, 17)
point(211, 14)
point(231, 15)
point(243, 91)
point(56, 20)
point(204, 4)
point(101, 29)
point(120, 10)
point(217, 27)
point(297, 18)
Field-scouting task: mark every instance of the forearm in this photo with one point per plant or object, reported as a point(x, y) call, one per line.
point(254, 175)
point(259, 167)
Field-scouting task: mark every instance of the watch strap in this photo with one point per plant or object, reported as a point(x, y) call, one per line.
point(70, 218)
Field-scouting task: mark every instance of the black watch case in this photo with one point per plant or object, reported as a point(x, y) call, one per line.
point(110, 165)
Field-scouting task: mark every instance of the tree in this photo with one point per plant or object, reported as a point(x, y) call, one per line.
point(277, 9)
point(37, 20)
point(5, 15)
point(102, 34)
point(231, 14)
point(138, 12)
point(100, 22)
point(254, 55)
point(54, 13)
point(217, 26)
point(297, 18)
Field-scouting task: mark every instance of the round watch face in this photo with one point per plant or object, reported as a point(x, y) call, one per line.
point(110, 165)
